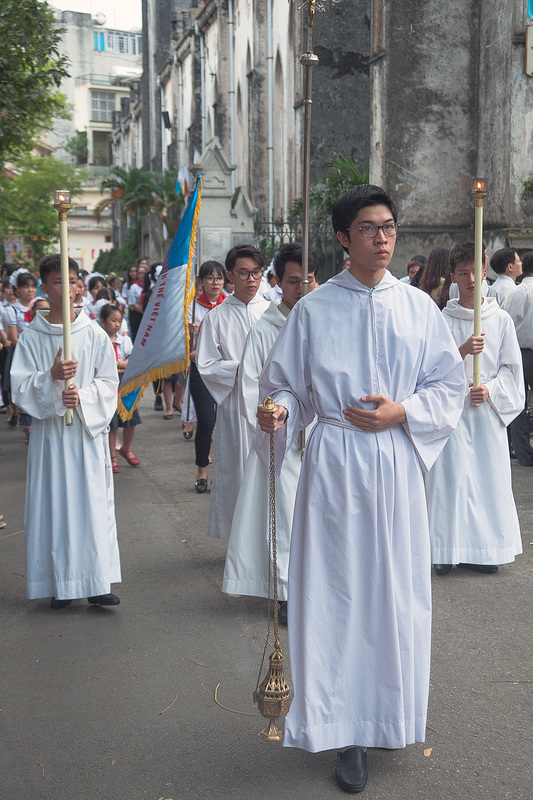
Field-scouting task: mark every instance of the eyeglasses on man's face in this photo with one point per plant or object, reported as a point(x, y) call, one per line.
point(213, 279)
point(371, 231)
point(245, 274)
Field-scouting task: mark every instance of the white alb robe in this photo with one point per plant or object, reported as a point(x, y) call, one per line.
point(69, 516)
point(471, 508)
point(218, 352)
point(359, 572)
point(501, 286)
point(246, 569)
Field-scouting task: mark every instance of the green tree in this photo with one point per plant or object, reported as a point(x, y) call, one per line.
point(168, 204)
point(26, 200)
point(527, 189)
point(119, 259)
point(343, 174)
point(132, 190)
point(31, 71)
point(78, 147)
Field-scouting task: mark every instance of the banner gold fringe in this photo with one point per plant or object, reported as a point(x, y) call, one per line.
point(166, 370)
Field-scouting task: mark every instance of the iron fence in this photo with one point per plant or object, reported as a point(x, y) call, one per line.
point(269, 236)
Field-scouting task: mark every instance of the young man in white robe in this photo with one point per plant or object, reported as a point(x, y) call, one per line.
point(218, 353)
point(507, 265)
point(472, 515)
point(247, 559)
point(69, 518)
point(376, 363)
point(519, 306)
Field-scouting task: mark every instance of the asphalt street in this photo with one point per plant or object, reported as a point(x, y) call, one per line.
point(119, 704)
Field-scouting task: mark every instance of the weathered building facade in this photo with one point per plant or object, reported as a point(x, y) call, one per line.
point(451, 101)
point(104, 64)
point(425, 97)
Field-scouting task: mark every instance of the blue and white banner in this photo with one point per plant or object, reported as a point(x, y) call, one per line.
point(161, 346)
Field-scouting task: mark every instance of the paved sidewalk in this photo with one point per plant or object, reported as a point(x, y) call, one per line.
point(83, 689)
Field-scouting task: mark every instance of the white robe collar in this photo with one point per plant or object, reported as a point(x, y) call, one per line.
point(455, 309)
point(274, 315)
point(233, 301)
point(347, 280)
point(41, 324)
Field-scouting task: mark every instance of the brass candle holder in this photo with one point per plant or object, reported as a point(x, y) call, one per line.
point(63, 204)
point(478, 192)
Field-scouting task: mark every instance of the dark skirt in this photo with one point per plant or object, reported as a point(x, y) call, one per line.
point(116, 422)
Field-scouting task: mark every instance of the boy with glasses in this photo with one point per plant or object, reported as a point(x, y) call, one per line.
point(377, 365)
point(246, 570)
point(218, 353)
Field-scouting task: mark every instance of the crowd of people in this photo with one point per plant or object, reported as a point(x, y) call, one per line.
point(378, 373)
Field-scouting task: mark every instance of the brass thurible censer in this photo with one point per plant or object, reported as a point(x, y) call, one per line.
point(273, 695)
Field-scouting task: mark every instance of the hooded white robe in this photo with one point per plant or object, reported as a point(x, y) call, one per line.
point(471, 508)
point(69, 516)
point(218, 352)
point(359, 572)
point(246, 570)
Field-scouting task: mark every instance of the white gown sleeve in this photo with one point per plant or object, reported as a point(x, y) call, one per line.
point(506, 389)
point(434, 409)
point(32, 389)
point(252, 362)
point(98, 400)
point(218, 373)
point(286, 379)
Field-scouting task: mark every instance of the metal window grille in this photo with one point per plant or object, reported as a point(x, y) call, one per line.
point(125, 43)
point(102, 106)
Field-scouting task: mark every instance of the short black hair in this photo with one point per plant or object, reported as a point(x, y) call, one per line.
point(52, 263)
point(244, 251)
point(349, 204)
point(208, 267)
point(293, 252)
point(94, 280)
point(501, 258)
point(106, 294)
point(107, 310)
point(527, 263)
point(464, 253)
point(23, 278)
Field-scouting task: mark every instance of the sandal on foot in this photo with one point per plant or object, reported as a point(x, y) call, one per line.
point(114, 465)
point(201, 485)
point(132, 459)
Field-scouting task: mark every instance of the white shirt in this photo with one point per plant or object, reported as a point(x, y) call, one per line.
point(134, 294)
point(519, 304)
point(501, 286)
point(15, 315)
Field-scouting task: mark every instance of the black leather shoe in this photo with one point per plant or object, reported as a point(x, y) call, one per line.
point(282, 612)
point(489, 569)
point(104, 600)
point(59, 603)
point(443, 569)
point(351, 771)
point(201, 485)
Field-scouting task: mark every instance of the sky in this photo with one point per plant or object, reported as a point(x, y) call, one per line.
point(121, 14)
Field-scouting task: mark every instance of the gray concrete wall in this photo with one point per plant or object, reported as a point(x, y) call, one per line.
point(341, 85)
point(450, 100)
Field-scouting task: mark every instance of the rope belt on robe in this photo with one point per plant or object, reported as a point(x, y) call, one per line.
point(339, 424)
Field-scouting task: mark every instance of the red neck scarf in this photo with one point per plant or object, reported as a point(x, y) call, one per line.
point(203, 301)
